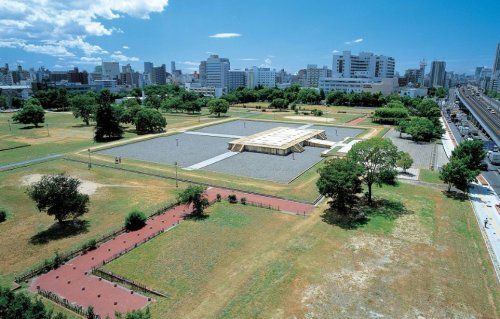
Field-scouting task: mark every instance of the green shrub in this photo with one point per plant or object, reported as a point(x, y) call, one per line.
point(243, 200)
point(219, 197)
point(232, 199)
point(90, 245)
point(135, 220)
point(3, 215)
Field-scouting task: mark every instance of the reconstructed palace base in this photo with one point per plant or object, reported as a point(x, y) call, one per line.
point(277, 141)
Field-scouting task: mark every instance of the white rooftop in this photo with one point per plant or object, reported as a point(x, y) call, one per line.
point(279, 136)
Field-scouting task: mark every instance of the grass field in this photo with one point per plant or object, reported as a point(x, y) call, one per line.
point(424, 257)
point(28, 236)
point(426, 175)
point(62, 133)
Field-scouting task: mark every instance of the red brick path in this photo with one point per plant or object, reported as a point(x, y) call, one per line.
point(73, 281)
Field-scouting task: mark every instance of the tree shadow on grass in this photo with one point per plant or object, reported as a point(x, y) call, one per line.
point(195, 217)
point(361, 213)
point(456, 195)
point(31, 127)
point(60, 230)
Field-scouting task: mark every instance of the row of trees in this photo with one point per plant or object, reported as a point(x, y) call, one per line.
point(20, 306)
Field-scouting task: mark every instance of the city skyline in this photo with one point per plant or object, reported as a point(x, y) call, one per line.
point(163, 31)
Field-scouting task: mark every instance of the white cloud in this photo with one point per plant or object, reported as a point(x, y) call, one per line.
point(117, 52)
point(225, 35)
point(335, 51)
point(247, 59)
point(354, 41)
point(191, 63)
point(123, 58)
point(267, 63)
point(59, 27)
point(271, 56)
point(126, 47)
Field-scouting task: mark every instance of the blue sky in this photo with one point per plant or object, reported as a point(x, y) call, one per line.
point(280, 33)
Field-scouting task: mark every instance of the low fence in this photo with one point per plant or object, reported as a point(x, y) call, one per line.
point(126, 282)
point(47, 266)
point(65, 303)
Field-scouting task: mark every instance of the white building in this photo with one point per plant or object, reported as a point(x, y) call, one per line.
point(386, 86)
point(204, 90)
point(364, 65)
point(260, 76)
point(413, 92)
point(110, 70)
point(216, 71)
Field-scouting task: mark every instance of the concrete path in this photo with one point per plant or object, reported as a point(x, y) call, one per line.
point(484, 201)
point(211, 161)
point(213, 134)
point(73, 281)
point(28, 162)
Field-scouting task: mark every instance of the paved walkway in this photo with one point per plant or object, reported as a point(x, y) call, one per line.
point(211, 161)
point(73, 281)
point(484, 201)
point(28, 162)
point(358, 120)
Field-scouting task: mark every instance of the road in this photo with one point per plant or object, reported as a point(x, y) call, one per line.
point(478, 106)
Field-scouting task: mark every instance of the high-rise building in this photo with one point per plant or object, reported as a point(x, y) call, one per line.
point(365, 65)
point(217, 72)
point(110, 70)
point(172, 67)
point(159, 75)
point(202, 70)
point(496, 63)
point(438, 74)
point(237, 78)
point(313, 74)
point(148, 67)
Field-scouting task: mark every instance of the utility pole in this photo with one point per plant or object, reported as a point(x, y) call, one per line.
point(90, 161)
point(10, 128)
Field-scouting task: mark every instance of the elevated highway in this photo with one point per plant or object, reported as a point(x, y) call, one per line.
point(482, 111)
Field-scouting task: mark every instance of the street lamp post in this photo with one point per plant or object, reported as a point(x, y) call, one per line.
point(176, 180)
point(10, 128)
point(90, 161)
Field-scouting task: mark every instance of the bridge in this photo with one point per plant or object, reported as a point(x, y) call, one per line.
point(481, 108)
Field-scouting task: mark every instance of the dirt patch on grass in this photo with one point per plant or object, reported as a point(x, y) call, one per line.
point(86, 187)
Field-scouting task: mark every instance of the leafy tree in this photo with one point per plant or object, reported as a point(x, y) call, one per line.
point(107, 119)
point(149, 121)
point(31, 113)
point(4, 102)
point(136, 92)
point(279, 103)
point(3, 215)
point(194, 195)
point(53, 98)
point(390, 115)
point(378, 158)
point(429, 109)
point(135, 220)
point(456, 173)
point(405, 161)
point(308, 96)
point(16, 103)
point(152, 101)
point(135, 314)
point(20, 306)
point(340, 180)
point(322, 95)
point(471, 152)
point(218, 106)
point(90, 313)
point(422, 129)
point(172, 104)
point(131, 108)
point(58, 196)
point(83, 106)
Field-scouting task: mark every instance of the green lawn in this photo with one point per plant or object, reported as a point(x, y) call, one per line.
point(422, 254)
point(426, 175)
point(26, 238)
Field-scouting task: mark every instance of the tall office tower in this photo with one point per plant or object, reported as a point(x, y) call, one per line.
point(438, 74)
point(364, 65)
point(477, 74)
point(172, 67)
point(421, 74)
point(496, 63)
point(159, 75)
point(110, 70)
point(148, 67)
point(217, 72)
point(237, 78)
point(202, 70)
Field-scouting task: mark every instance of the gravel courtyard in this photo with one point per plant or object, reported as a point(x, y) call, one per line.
point(189, 148)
